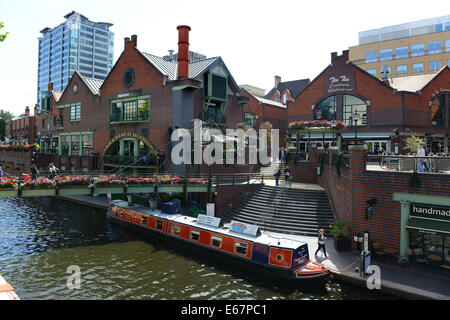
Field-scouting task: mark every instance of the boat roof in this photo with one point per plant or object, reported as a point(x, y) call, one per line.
point(263, 238)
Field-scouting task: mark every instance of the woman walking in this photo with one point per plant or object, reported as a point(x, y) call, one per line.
point(321, 242)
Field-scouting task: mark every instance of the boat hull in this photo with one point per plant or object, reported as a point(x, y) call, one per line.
point(286, 276)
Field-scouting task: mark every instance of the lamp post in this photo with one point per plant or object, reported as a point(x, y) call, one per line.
point(355, 117)
point(333, 125)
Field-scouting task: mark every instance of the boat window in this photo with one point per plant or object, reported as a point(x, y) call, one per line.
point(159, 224)
point(216, 241)
point(144, 220)
point(194, 235)
point(240, 248)
point(175, 229)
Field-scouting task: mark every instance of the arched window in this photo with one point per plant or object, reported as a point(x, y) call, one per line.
point(438, 111)
point(353, 105)
point(326, 109)
point(285, 98)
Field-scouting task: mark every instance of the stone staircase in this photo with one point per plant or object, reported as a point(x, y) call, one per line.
point(297, 211)
point(269, 171)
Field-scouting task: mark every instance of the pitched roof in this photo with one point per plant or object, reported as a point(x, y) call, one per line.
point(413, 83)
point(268, 101)
point(295, 87)
point(93, 84)
point(169, 68)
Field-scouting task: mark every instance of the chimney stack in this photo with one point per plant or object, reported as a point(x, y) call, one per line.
point(129, 44)
point(277, 81)
point(183, 51)
point(50, 87)
point(27, 111)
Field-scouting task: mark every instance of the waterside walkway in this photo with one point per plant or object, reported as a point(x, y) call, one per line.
point(409, 281)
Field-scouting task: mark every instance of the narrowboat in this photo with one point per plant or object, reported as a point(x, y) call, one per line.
point(245, 244)
point(7, 291)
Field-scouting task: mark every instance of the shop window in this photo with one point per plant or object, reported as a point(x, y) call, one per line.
point(216, 241)
point(326, 109)
point(438, 111)
point(240, 248)
point(194, 235)
point(354, 105)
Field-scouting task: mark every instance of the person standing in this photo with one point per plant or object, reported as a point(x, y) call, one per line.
point(34, 172)
point(282, 154)
point(420, 153)
point(277, 176)
point(52, 171)
point(321, 242)
point(287, 173)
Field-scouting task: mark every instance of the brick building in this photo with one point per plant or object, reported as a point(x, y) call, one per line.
point(127, 119)
point(21, 129)
point(382, 113)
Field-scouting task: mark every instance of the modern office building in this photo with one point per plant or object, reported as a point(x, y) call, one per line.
point(76, 44)
point(419, 47)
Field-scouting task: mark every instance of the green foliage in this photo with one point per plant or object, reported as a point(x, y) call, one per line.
point(412, 143)
point(2, 35)
point(4, 115)
point(340, 229)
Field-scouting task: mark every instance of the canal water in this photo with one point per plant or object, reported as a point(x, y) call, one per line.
point(40, 238)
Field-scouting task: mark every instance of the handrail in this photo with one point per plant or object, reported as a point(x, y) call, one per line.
point(279, 196)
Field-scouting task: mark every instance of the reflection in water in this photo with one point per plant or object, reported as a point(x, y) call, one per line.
point(41, 237)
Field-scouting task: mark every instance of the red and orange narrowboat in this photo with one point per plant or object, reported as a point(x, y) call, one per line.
point(276, 257)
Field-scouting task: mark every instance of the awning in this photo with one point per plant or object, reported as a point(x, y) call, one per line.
point(429, 226)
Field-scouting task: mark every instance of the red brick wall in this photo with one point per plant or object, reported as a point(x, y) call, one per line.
point(230, 196)
point(349, 191)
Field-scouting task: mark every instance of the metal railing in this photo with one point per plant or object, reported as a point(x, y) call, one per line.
point(279, 197)
point(430, 164)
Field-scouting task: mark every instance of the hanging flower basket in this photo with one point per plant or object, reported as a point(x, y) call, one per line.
point(317, 124)
point(70, 181)
point(110, 181)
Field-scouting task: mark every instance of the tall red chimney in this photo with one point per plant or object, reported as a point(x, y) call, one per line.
point(183, 51)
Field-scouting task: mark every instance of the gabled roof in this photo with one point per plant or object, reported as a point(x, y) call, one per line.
point(268, 101)
point(413, 83)
point(295, 88)
point(169, 68)
point(196, 68)
point(93, 84)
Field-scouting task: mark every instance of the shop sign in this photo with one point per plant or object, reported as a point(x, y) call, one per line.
point(429, 211)
point(208, 220)
point(244, 228)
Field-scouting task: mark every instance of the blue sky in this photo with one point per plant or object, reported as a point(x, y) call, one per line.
point(256, 39)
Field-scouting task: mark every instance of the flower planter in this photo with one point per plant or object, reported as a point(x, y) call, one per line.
point(74, 190)
point(197, 188)
point(37, 192)
point(141, 188)
point(342, 244)
point(8, 192)
point(170, 188)
point(109, 189)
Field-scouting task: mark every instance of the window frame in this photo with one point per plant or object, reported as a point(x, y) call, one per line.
point(216, 238)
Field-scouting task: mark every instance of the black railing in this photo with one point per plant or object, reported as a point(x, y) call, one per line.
point(437, 165)
point(129, 161)
point(124, 117)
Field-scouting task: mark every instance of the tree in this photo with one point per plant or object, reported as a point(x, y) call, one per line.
point(4, 115)
point(412, 143)
point(3, 35)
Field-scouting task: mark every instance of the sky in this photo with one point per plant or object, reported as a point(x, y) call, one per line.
point(256, 39)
